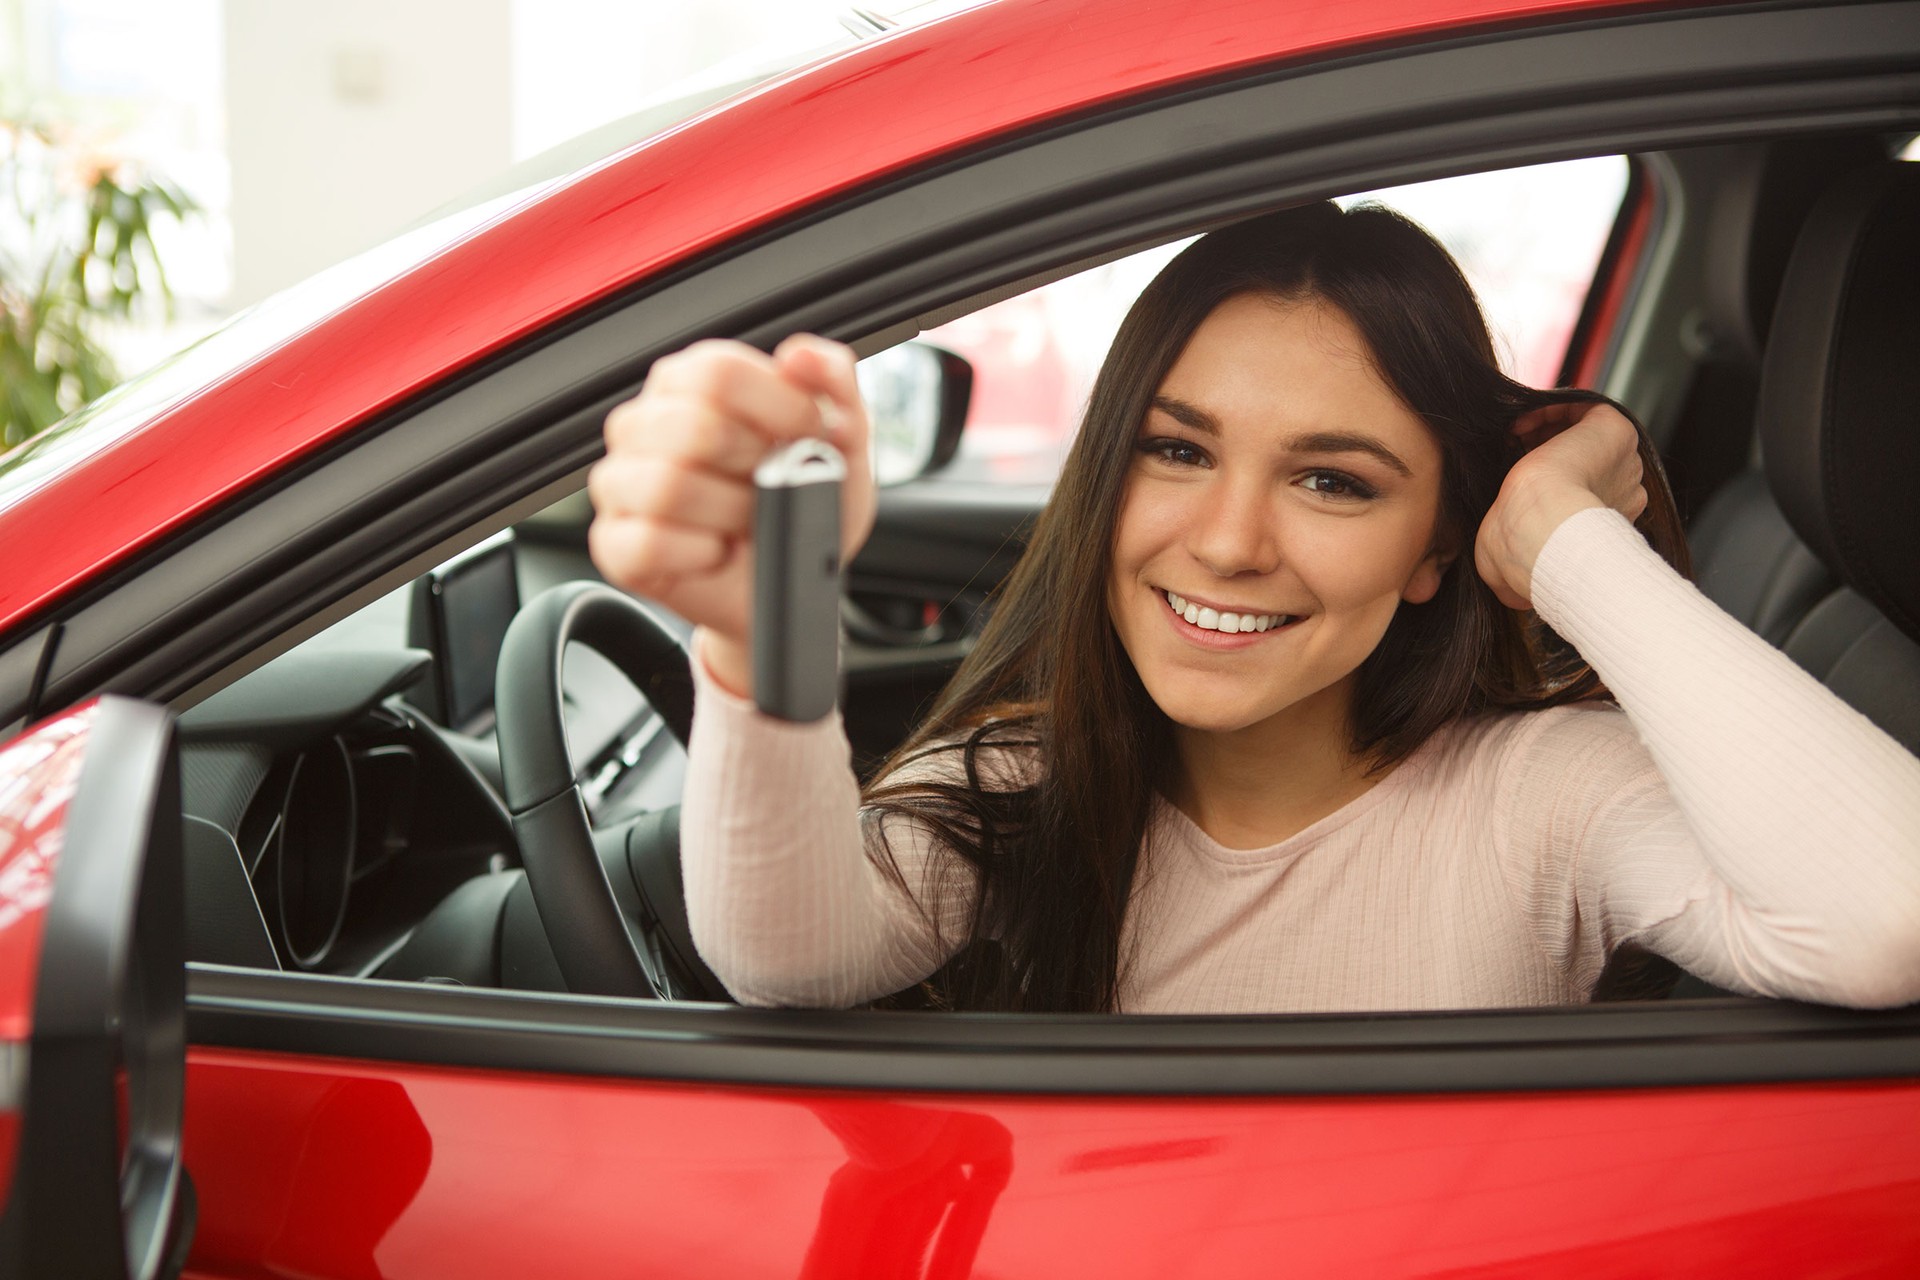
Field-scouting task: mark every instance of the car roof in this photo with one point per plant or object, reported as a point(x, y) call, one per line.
point(179, 442)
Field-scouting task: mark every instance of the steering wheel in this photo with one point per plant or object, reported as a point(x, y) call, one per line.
point(576, 901)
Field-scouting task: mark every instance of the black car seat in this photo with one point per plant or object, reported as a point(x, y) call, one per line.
point(1840, 431)
point(1748, 560)
point(1746, 556)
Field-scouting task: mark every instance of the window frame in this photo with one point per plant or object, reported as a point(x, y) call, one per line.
point(507, 438)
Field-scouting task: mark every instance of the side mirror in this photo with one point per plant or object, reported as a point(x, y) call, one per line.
point(93, 997)
point(917, 395)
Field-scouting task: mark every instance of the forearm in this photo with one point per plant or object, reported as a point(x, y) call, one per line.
point(784, 903)
point(1807, 814)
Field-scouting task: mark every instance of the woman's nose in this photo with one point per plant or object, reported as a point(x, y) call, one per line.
point(1236, 530)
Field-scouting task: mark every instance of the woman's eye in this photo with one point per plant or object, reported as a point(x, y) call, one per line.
point(1179, 453)
point(1337, 484)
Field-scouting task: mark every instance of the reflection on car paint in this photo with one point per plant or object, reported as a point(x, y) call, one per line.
point(477, 1173)
point(916, 1192)
point(38, 773)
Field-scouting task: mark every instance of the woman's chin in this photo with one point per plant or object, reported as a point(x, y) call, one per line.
point(1205, 703)
point(1212, 713)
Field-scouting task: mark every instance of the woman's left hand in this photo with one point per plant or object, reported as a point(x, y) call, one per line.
point(1578, 456)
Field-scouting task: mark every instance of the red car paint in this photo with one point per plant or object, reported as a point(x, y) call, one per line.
point(876, 109)
point(1613, 292)
point(326, 1167)
point(38, 774)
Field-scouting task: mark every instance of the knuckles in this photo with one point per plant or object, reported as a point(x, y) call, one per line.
point(629, 486)
point(612, 554)
point(1615, 429)
point(711, 369)
point(599, 486)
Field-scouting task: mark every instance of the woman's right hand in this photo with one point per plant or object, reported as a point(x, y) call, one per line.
point(674, 497)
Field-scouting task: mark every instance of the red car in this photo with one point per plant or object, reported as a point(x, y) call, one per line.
point(255, 603)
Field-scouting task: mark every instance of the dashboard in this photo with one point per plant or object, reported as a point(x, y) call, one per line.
point(355, 780)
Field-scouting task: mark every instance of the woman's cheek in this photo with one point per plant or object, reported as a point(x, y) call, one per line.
point(1148, 523)
point(1357, 570)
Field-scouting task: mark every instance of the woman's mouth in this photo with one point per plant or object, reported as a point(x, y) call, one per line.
point(1225, 622)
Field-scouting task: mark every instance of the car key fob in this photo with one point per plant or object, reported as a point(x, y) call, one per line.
point(796, 580)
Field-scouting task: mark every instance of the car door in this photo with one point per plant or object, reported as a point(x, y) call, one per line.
point(341, 1127)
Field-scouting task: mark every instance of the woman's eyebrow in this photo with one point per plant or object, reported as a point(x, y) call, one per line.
point(1189, 415)
point(1347, 442)
point(1192, 415)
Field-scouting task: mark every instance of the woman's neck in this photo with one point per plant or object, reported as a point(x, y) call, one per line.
point(1252, 787)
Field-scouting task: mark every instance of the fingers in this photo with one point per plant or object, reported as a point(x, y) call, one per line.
point(674, 497)
point(670, 490)
point(680, 427)
point(1577, 455)
point(1624, 487)
point(826, 369)
point(822, 367)
point(740, 385)
point(649, 556)
point(1595, 419)
point(1536, 426)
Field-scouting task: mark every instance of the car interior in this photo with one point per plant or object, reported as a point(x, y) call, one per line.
point(350, 813)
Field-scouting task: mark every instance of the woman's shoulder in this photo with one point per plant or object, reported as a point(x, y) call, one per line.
point(1499, 750)
point(1583, 742)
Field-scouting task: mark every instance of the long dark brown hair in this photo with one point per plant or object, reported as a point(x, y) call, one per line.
point(1055, 857)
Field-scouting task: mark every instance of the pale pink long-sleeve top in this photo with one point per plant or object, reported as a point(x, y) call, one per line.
point(1731, 814)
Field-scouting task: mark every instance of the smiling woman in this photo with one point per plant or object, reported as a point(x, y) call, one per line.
point(1265, 720)
point(1249, 499)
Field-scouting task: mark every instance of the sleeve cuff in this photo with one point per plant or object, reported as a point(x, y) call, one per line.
point(1591, 547)
point(721, 705)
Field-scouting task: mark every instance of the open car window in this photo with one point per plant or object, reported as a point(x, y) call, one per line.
point(435, 474)
point(1528, 239)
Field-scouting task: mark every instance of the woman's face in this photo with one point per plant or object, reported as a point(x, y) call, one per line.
point(1281, 503)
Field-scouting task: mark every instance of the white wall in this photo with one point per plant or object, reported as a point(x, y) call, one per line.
point(580, 63)
point(348, 119)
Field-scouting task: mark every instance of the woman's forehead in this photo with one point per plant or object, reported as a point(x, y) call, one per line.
point(1260, 364)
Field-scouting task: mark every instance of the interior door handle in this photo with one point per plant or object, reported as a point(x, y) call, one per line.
point(862, 625)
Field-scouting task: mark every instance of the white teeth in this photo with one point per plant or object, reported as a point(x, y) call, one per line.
point(1225, 623)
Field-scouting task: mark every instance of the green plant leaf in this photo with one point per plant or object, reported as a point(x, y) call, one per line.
point(67, 260)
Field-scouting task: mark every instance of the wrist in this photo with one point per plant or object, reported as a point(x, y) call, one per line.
point(1542, 518)
point(728, 662)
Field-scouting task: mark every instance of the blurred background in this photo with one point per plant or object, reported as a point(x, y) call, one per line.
point(300, 134)
point(244, 145)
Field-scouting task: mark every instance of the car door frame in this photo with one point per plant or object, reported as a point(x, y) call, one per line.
point(511, 435)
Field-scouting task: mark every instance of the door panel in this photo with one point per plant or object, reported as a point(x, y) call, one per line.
point(918, 595)
point(325, 1166)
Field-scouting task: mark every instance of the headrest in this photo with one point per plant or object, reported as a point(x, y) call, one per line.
point(1839, 409)
point(1754, 214)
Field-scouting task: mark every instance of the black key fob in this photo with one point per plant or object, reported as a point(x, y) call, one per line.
point(796, 580)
